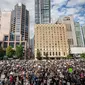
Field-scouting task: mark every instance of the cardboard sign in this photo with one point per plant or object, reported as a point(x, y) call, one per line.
point(70, 70)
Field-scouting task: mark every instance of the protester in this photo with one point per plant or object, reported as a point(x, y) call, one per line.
point(51, 72)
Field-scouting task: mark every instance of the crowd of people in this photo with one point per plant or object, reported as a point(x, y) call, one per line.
point(49, 72)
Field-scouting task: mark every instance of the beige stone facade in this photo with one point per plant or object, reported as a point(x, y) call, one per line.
point(51, 39)
point(71, 34)
point(5, 20)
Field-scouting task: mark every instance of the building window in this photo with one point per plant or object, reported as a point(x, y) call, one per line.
point(44, 53)
point(64, 53)
point(55, 44)
point(17, 38)
point(6, 38)
point(11, 37)
point(69, 27)
point(23, 44)
point(59, 53)
point(5, 44)
point(17, 43)
point(56, 53)
point(70, 41)
point(50, 53)
point(53, 53)
point(11, 44)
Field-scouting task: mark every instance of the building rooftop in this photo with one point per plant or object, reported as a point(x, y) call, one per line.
point(19, 4)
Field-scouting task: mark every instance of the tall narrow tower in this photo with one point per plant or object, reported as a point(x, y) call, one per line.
point(42, 12)
point(68, 20)
point(20, 23)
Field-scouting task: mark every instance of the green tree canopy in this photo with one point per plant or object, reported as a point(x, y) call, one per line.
point(9, 52)
point(69, 56)
point(39, 55)
point(83, 55)
point(2, 53)
point(46, 54)
point(19, 51)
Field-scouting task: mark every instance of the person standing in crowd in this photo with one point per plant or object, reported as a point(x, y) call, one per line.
point(53, 72)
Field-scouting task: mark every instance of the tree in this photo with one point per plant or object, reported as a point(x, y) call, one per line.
point(83, 55)
point(9, 52)
point(13, 51)
point(39, 55)
point(1, 53)
point(69, 56)
point(19, 51)
point(46, 54)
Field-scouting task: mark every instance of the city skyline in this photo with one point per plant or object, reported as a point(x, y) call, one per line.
point(58, 8)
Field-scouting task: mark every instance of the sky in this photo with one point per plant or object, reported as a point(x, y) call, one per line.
point(58, 8)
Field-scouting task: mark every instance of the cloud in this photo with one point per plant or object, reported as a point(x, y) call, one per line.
point(76, 2)
point(55, 11)
point(71, 11)
point(55, 15)
point(69, 7)
point(58, 2)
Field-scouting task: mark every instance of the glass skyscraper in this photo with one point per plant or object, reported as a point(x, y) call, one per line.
point(83, 34)
point(15, 28)
point(19, 23)
point(42, 11)
point(78, 34)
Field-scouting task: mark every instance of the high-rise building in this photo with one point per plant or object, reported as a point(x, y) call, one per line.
point(20, 23)
point(32, 44)
point(51, 39)
point(17, 28)
point(42, 11)
point(68, 20)
point(78, 34)
point(83, 34)
point(5, 20)
point(19, 33)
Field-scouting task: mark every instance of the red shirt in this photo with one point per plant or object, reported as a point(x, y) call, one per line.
point(11, 78)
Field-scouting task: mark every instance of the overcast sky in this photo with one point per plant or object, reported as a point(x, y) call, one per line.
point(58, 8)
